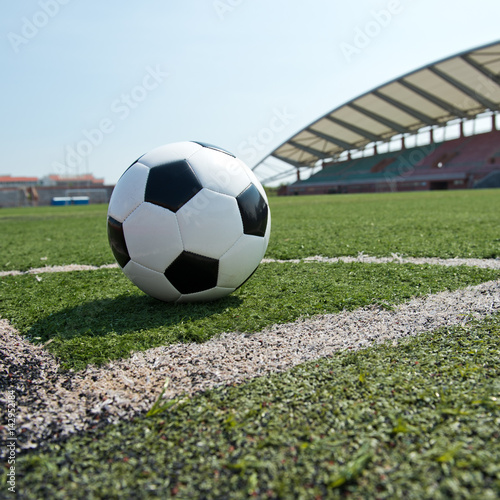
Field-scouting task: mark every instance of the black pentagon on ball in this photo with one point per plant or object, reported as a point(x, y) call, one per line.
point(254, 211)
point(191, 273)
point(117, 242)
point(171, 185)
point(216, 148)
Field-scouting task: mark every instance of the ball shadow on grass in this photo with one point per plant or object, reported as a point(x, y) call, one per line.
point(126, 314)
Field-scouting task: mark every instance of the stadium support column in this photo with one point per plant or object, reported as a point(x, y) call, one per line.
point(461, 129)
point(298, 174)
point(494, 121)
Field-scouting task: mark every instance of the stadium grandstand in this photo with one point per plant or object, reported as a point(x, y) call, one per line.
point(437, 127)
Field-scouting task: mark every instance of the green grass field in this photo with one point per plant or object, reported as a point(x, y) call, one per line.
point(413, 421)
point(427, 224)
point(92, 317)
point(416, 420)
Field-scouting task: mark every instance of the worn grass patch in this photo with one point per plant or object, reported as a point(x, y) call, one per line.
point(416, 420)
point(426, 224)
point(92, 317)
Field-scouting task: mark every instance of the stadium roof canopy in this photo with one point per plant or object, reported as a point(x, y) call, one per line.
point(459, 87)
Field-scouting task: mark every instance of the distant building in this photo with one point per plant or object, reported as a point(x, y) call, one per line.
point(32, 191)
point(7, 181)
point(75, 181)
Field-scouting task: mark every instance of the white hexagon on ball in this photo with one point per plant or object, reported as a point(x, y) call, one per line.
point(152, 236)
point(220, 172)
point(170, 152)
point(151, 282)
point(129, 192)
point(241, 260)
point(210, 223)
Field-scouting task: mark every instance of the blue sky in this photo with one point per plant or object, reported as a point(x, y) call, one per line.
point(89, 86)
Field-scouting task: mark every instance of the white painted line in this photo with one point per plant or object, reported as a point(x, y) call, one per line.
point(53, 404)
point(395, 258)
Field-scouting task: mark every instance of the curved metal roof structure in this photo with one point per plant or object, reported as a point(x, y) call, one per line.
point(458, 87)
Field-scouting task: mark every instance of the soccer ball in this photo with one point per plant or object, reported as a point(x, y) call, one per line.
point(188, 222)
